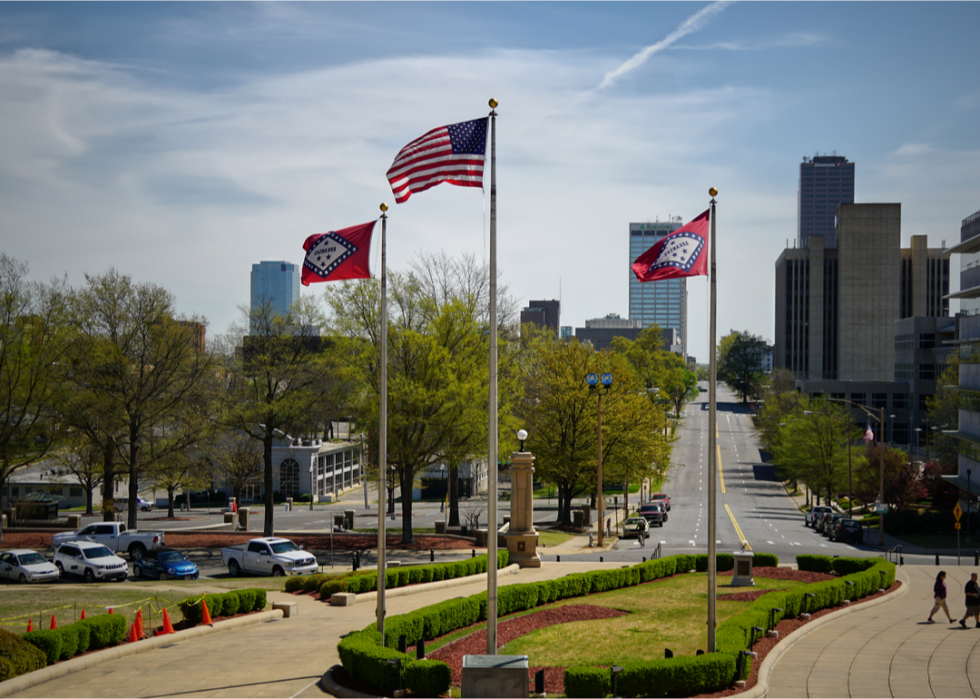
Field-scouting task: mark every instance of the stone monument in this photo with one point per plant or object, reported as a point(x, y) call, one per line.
point(522, 538)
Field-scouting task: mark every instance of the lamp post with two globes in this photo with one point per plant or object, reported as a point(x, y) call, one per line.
point(595, 382)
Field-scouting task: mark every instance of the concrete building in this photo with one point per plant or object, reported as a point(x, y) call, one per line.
point(838, 312)
point(275, 282)
point(601, 331)
point(544, 314)
point(826, 182)
point(664, 302)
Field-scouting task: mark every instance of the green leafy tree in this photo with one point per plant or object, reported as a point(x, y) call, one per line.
point(32, 344)
point(904, 483)
point(942, 414)
point(84, 459)
point(740, 356)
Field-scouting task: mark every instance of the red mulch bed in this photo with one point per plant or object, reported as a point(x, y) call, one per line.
point(313, 542)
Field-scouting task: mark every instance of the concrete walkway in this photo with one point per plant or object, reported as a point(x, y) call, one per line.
point(282, 658)
point(888, 650)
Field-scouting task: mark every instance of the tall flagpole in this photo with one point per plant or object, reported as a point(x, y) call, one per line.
point(712, 441)
point(492, 408)
point(383, 423)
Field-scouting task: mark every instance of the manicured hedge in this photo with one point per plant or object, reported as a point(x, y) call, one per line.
point(723, 562)
point(106, 630)
point(17, 656)
point(251, 599)
point(70, 640)
point(48, 641)
point(400, 577)
point(815, 564)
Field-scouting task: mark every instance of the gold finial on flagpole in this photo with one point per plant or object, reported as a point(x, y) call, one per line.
point(384, 207)
point(713, 192)
point(493, 103)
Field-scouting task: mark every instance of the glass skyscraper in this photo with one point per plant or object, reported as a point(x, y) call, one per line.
point(662, 303)
point(276, 282)
point(826, 181)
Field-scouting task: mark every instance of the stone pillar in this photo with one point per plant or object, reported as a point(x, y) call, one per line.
point(522, 539)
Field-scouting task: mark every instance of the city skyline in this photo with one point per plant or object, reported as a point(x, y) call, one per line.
point(179, 143)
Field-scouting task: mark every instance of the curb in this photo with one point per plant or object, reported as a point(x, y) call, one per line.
point(46, 674)
point(338, 690)
point(761, 687)
point(512, 569)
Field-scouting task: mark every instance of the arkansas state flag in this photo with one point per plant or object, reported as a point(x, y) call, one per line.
point(342, 254)
point(683, 253)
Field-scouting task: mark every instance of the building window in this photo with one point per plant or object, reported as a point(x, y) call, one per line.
point(927, 340)
point(900, 433)
point(857, 398)
point(289, 478)
point(927, 371)
point(900, 400)
point(879, 400)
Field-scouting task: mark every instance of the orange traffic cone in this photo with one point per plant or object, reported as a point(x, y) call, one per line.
point(167, 626)
point(53, 624)
point(139, 624)
point(30, 625)
point(205, 614)
point(83, 613)
point(110, 610)
point(132, 634)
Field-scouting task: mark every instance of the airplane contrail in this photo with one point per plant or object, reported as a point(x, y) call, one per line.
point(690, 25)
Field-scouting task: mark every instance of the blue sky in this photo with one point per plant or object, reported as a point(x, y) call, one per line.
point(181, 142)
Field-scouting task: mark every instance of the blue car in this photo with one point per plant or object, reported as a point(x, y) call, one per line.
point(165, 564)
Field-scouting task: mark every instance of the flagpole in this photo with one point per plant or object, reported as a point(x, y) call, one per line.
point(492, 406)
point(712, 441)
point(383, 424)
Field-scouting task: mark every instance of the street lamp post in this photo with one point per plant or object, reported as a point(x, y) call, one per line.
point(593, 381)
point(969, 472)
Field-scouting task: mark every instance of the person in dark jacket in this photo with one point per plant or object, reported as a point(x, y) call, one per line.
point(972, 602)
point(939, 591)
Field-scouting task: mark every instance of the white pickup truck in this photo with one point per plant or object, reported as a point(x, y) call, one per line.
point(115, 536)
point(268, 556)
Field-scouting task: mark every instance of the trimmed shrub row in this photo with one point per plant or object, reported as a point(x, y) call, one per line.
point(251, 599)
point(17, 656)
point(409, 575)
point(70, 640)
point(726, 561)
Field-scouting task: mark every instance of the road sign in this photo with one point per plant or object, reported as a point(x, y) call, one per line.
point(957, 525)
point(957, 512)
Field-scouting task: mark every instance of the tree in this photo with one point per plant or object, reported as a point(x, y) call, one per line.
point(179, 470)
point(32, 344)
point(903, 481)
point(740, 360)
point(942, 414)
point(273, 377)
point(239, 459)
point(138, 365)
point(84, 459)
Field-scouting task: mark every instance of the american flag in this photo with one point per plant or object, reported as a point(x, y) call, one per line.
point(453, 154)
point(869, 436)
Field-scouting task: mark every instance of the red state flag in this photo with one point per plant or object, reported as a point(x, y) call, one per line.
point(340, 254)
point(683, 253)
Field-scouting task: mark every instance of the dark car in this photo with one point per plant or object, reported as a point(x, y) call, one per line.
point(830, 524)
point(165, 564)
point(849, 530)
point(652, 513)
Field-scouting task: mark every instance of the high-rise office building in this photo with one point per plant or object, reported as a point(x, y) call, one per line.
point(275, 282)
point(544, 314)
point(826, 182)
point(664, 302)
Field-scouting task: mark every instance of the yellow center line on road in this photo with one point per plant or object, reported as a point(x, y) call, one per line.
point(721, 473)
point(738, 529)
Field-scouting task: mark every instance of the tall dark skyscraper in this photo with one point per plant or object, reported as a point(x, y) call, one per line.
point(826, 181)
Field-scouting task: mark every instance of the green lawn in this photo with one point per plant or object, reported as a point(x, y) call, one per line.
point(663, 614)
point(548, 538)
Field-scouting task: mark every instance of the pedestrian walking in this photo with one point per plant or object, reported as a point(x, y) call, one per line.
point(972, 602)
point(939, 591)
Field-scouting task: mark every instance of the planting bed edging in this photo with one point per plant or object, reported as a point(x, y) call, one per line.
point(761, 687)
point(338, 690)
point(512, 569)
point(51, 672)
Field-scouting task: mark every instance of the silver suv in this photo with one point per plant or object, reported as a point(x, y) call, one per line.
point(90, 561)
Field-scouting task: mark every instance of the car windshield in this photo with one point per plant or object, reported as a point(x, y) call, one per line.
point(171, 557)
point(284, 547)
point(97, 552)
point(29, 559)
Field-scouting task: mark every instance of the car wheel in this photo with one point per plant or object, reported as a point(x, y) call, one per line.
point(233, 568)
point(23, 578)
point(89, 575)
point(136, 551)
point(61, 569)
point(163, 576)
point(137, 572)
point(277, 572)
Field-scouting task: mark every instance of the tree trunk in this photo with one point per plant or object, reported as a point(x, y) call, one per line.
point(454, 496)
point(407, 534)
point(267, 527)
point(133, 476)
point(108, 483)
point(88, 499)
point(170, 502)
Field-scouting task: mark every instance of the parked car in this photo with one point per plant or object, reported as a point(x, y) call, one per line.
point(268, 556)
point(830, 524)
point(142, 504)
point(653, 513)
point(165, 564)
point(634, 526)
point(115, 536)
point(90, 561)
point(811, 515)
point(821, 521)
point(25, 565)
point(663, 497)
point(849, 530)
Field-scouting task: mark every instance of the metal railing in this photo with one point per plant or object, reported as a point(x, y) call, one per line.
point(894, 555)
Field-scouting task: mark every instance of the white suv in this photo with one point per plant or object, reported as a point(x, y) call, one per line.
point(90, 561)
